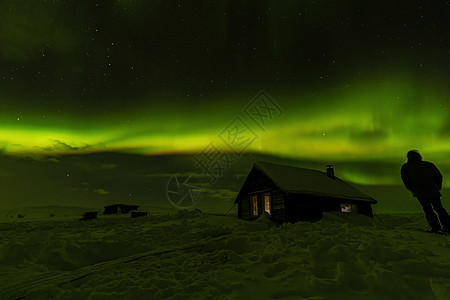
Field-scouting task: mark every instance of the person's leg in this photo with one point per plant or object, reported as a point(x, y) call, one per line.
point(429, 213)
point(442, 213)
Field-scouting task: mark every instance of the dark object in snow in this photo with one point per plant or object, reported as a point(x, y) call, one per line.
point(124, 208)
point(135, 214)
point(291, 194)
point(90, 215)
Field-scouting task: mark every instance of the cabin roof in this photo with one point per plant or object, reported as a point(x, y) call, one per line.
point(297, 180)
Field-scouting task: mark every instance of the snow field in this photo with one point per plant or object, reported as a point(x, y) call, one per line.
point(195, 255)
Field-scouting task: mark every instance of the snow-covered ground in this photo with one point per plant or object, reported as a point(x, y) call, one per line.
point(170, 254)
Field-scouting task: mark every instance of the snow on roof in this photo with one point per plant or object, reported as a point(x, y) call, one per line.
point(307, 181)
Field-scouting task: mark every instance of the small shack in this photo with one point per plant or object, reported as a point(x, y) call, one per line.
point(90, 215)
point(291, 194)
point(124, 208)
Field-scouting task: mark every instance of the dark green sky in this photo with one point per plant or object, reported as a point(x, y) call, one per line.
point(70, 53)
point(354, 81)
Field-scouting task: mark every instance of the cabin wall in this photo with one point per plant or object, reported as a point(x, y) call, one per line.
point(309, 208)
point(278, 206)
point(362, 207)
point(244, 208)
point(365, 209)
point(303, 208)
point(256, 183)
point(295, 207)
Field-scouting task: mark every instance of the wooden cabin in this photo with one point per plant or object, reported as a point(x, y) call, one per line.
point(291, 194)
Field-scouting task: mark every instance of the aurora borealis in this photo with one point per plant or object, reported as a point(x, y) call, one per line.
point(356, 81)
point(378, 127)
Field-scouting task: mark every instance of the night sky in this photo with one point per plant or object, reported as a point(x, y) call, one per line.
point(345, 81)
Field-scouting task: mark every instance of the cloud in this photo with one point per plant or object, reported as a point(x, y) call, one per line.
point(219, 193)
point(101, 192)
point(59, 146)
point(85, 188)
point(53, 159)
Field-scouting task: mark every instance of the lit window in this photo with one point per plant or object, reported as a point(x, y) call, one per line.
point(255, 204)
point(349, 208)
point(267, 203)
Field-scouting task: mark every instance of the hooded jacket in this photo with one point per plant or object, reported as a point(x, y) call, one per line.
point(422, 178)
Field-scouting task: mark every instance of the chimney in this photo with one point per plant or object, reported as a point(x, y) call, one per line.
point(330, 171)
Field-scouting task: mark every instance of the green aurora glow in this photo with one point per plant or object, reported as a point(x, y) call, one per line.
point(375, 120)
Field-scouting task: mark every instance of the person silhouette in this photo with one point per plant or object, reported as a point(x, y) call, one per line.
point(424, 180)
